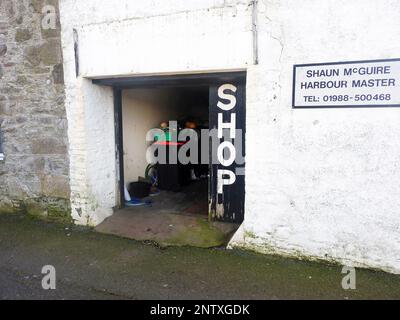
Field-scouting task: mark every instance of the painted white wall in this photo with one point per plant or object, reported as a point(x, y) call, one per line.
point(142, 110)
point(329, 183)
point(171, 36)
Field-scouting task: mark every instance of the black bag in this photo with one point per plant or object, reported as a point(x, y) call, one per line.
point(139, 189)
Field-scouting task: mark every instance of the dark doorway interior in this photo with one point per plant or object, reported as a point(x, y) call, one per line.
point(175, 186)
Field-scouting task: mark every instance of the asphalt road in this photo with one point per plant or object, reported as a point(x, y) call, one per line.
point(90, 265)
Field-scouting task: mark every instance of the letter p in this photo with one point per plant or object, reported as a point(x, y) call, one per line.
point(221, 181)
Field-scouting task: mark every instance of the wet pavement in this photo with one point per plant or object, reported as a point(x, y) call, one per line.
point(90, 265)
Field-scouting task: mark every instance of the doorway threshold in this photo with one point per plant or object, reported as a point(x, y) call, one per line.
point(168, 228)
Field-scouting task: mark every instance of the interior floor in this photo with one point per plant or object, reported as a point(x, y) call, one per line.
point(191, 199)
point(172, 218)
point(169, 227)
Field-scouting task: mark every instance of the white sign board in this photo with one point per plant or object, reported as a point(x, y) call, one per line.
point(374, 83)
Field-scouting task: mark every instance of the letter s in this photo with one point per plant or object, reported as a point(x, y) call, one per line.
point(225, 96)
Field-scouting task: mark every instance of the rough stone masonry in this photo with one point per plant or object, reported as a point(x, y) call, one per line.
point(34, 174)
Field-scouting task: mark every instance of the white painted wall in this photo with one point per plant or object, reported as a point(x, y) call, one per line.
point(161, 36)
point(142, 110)
point(329, 184)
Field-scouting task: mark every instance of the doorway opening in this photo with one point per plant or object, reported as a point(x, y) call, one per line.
point(169, 192)
point(165, 186)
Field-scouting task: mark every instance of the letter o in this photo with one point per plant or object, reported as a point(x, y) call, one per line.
point(232, 153)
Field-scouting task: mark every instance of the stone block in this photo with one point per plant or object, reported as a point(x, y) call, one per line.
point(3, 109)
point(3, 49)
point(37, 5)
point(58, 74)
point(48, 146)
point(22, 35)
point(55, 186)
point(31, 54)
point(50, 52)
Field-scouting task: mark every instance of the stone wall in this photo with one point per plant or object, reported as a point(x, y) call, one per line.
point(34, 176)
